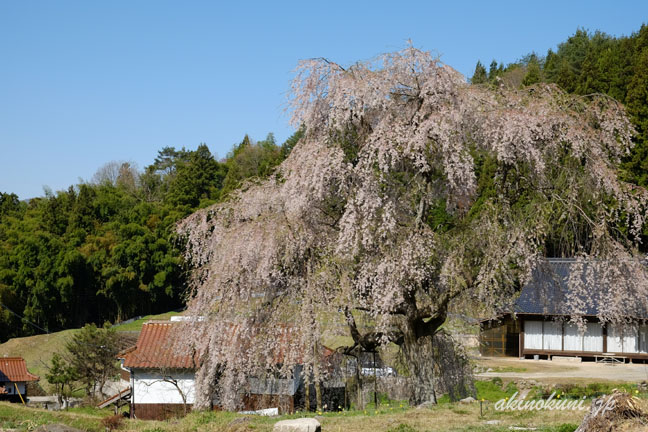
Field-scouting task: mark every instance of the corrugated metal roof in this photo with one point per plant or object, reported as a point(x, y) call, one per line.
point(547, 291)
point(156, 348)
point(14, 369)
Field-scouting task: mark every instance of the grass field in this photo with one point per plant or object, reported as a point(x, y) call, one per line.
point(390, 416)
point(453, 417)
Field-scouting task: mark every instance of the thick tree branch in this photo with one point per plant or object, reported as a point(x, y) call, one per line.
point(372, 340)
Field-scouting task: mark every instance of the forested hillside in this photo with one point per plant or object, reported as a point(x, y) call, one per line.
point(105, 249)
point(589, 63)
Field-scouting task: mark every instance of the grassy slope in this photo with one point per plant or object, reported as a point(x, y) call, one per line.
point(137, 325)
point(38, 350)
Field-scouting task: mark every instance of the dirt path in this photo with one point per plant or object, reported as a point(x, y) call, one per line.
point(561, 371)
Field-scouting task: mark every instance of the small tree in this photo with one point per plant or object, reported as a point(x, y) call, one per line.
point(62, 375)
point(92, 354)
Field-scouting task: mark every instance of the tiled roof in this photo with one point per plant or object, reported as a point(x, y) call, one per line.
point(157, 348)
point(546, 292)
point(14, 369)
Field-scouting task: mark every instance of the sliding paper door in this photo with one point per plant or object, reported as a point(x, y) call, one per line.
point(552, 336)
point(593, 338)
point(573, 338)
point(533, 335)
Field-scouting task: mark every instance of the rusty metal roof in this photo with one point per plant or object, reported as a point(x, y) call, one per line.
point(14, 369)
point(157, 348)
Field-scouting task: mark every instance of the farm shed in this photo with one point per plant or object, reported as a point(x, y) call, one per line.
point(14, 377)
point(163, 380)
point(539, 325)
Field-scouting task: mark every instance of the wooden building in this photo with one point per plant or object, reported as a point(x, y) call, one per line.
point(539, 324)
point(14, 377)
point(163, 380)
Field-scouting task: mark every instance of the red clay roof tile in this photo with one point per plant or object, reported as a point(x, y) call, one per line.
point(14, 369)
point(156, 349)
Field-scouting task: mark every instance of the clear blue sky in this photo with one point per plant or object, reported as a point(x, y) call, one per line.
point(86, 82)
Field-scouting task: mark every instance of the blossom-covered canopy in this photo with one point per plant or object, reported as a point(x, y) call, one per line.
point(411, 193)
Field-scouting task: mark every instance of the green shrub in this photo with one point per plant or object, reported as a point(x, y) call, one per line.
point(492, 390)
point(402, 428)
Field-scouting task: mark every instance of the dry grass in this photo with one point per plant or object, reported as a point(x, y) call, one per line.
point(529, 366)
point(445, 417)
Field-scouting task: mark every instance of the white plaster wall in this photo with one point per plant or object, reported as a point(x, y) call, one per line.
point(150, 387)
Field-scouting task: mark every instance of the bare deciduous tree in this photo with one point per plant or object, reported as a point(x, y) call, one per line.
point(118, 173)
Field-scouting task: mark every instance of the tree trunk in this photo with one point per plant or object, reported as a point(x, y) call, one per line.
point(59, 396)
point(206, 381)
point(360, 397)
point(420, 361)
point(184, 400)
point(317, 377)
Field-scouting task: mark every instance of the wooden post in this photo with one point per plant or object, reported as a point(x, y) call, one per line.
point(375, 382)
point(521, 348)
point(18, 391)
point(132, 407)
point(307, 401)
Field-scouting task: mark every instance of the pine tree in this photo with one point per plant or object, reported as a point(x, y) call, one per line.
point(534, 73)
point(493, 71)
point(480, 76)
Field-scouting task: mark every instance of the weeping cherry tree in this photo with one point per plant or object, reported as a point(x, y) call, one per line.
point(412, 194)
